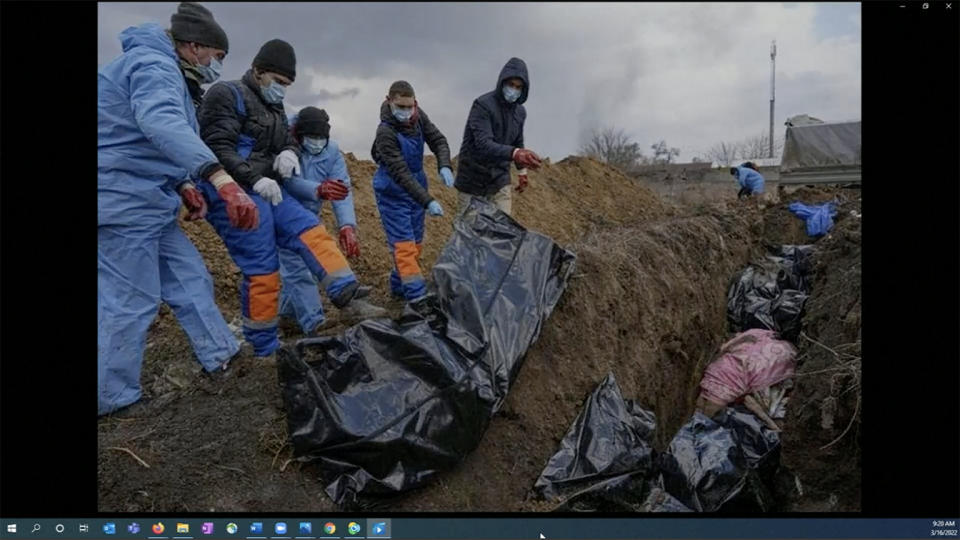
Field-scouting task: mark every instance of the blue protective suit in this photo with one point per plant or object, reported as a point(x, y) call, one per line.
point(751, 179)
point(147, 144)
point(299, 296)
point(403, 217)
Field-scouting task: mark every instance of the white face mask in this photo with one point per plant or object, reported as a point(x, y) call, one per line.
point(212, 72)
point(511, 94)
point(314, 145)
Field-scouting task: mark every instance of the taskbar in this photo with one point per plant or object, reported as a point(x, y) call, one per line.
point(488, 528)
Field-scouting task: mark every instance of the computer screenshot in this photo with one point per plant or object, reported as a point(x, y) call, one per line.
point(465, 270)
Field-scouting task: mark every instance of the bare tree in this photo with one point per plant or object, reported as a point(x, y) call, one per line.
point(724, 153)
point(758, 146)
point(614, 147)
point(664, 154)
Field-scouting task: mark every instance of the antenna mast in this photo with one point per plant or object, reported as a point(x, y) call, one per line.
point(773, 70)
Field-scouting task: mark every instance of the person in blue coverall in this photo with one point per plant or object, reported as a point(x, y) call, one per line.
point(148, 150)
point(400, 184)
point(749, 179)
point(320, 161)
point(245, 125)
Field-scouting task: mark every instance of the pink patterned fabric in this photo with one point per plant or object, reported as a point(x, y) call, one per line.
point(751, 361)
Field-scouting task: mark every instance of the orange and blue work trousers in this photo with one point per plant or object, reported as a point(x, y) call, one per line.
point(285, 225)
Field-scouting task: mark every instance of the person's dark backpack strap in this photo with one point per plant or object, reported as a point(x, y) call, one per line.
point(238, 97)
point(244, 142)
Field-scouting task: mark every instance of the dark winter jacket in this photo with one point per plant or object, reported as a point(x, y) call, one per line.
point(494, 129)
point(386, 149)
point(196, 92)
point(221, 128)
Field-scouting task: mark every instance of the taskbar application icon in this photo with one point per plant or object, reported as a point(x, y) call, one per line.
point(378, 528)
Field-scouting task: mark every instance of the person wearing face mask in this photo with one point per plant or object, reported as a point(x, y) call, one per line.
point(400, 184)
point(148, 151)
point(323, 177)
point(245, 125)
point(493, 138)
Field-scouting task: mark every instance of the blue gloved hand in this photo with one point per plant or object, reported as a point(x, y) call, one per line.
point(434, 208)
point(447, 175)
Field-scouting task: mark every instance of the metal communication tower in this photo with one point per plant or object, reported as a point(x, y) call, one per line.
point(773, 70)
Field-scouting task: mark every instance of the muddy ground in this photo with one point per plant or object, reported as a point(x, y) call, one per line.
point(647, 302)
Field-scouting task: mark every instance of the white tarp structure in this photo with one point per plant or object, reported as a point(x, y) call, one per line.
point(821, 153)
point(803, 120)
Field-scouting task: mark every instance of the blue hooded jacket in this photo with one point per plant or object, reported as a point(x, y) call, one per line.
point(314, 169)
point(749, 178)
point(147, 132)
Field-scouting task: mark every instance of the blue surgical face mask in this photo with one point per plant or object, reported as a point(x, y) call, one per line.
point(314, 145)
point(510, 93)
point(402, 115)
point(212, 72)
point(274, 92)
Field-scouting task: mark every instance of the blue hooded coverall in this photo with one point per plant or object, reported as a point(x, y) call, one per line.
point(147, 145)
point(751, 179)
point(285, 225)
point(299, 295)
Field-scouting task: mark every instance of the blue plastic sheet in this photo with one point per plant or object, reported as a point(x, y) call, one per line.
point(819, 218)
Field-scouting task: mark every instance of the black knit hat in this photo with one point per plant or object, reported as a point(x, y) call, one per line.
point(277, 56)
point(313, 122)
point(194, 23)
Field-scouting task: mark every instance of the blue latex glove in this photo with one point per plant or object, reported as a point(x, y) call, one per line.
point(447, 175)
point(434, 208)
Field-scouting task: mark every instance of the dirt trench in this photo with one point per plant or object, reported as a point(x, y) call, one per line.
point(647, 302)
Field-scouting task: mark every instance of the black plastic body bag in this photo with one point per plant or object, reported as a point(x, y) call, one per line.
point(388, 404)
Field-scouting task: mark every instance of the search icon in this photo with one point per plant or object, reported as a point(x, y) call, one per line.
point(59, 527)
point(36, 527)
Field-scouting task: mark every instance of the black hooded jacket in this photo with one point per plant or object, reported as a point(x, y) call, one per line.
point(221, 127)
point(494, 129)
point(386, 149)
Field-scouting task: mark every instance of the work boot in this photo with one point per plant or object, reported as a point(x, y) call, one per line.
point(359, 309)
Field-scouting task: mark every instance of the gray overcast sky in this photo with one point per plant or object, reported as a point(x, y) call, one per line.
point(693, 74)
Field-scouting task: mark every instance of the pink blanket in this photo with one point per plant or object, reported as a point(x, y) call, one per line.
point(750, 362)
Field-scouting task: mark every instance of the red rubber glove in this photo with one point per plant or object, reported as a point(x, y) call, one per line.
point(332, 190)
point(522, 177)
point(526, 158)
point(348, 242)
point(193, 200)
point(241, 210)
